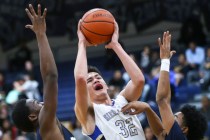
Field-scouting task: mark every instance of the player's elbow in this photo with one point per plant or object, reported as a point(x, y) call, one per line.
point(140, 81)
point(161, 100)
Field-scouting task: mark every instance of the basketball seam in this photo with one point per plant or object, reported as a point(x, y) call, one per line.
point(86, 37)
point(94, 12)
point(94, 32)
point(98, 21)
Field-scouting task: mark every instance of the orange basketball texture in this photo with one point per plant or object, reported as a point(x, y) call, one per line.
point(97, 26)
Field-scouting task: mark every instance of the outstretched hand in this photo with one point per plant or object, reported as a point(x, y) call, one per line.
point(165, 46)
point(37, 19)
point(115, 37)
point(134, 108)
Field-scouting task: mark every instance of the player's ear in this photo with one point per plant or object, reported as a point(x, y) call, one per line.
point(32, 117)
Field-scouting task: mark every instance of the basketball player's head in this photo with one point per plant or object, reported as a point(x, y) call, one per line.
point(96, 85)
point(25, 114)
point(192, 122)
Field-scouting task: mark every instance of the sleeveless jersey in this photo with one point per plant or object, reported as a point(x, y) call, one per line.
point(112, 124)
point(66, 134)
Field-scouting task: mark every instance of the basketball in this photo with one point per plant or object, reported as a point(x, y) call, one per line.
point(97, 26)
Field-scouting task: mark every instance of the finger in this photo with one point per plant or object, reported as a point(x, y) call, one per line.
point(123, 108)
point(116, 26)
point(172, 53)
point(29, 14)
point(164, 37)
point(159, 42)
point(134, 112)
point(32, 10)
point(79, 25)
point(44, 13)
point(165, 40)
point(169, 40)
point(39, 10)
point(29, 26)
point(126, 108)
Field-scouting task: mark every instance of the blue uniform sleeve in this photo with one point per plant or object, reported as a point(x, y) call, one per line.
point(175, 133)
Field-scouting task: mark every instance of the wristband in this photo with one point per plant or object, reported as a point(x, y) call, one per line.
point(165, 65)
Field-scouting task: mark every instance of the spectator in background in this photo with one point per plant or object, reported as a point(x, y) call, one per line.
point(29, 87)
point(113, 91)
point(117, 80)
point(180, 70)
point(8, 130)
point(154, 62)
point(29, 69)
point(3, 111)
point(22, 55)
point(15, 94)
point(2, 87)
point(195, 57)
point(205, 108)
point(125, 74)
point(205, 72)
point(145, 59)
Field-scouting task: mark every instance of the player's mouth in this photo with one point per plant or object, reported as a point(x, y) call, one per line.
point(98, 86)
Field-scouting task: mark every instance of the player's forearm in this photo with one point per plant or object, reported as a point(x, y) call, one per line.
point(154, 121)
point(163, 90)
point(47, 62)
point(80, 70)
point(130, 66)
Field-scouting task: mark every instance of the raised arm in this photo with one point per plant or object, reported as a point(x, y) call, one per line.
point(163, 96)
point(80, 74)
point(47, 66)
point(134, 88)
point(137, 107)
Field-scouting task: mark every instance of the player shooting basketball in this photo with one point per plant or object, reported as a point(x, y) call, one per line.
point(101, 118)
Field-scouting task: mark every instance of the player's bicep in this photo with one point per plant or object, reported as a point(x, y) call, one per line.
point(166, 114)
point(131, 92)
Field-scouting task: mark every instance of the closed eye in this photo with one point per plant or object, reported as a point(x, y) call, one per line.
point(89, 80)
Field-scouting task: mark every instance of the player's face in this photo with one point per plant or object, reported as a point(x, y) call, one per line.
point(97, 87)
point(34, 105)
point(179, 117)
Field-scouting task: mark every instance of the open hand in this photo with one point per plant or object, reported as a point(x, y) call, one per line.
point(37, 19)
point(165, 46)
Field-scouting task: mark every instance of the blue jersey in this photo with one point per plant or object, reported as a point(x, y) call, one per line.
point(175, 133)
point(66, 134)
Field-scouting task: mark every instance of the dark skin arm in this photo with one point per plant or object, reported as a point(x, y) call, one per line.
point(163, 96)
point(47, 116)
point(137, 107)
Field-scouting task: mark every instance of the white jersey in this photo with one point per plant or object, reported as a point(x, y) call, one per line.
point(114, 125)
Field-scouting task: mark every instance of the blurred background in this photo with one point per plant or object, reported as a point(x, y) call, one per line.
point(141, 22)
